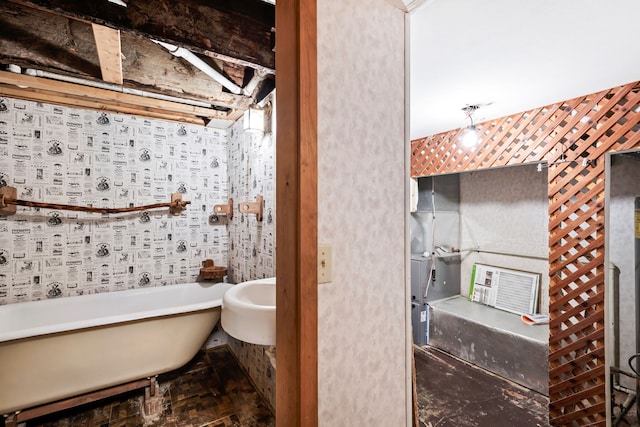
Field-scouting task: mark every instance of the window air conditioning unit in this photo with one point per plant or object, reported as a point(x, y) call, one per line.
point(510, 290)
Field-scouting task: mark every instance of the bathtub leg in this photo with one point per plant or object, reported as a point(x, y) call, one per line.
point(152, 398)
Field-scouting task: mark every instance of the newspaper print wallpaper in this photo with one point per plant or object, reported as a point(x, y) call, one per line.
point(251, 242)
point(251, 173)
point(80, 157)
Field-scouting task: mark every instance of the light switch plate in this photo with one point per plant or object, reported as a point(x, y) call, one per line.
point(324, 263)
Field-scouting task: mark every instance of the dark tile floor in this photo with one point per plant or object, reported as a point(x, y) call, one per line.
point(454, 393)
point(211, 390)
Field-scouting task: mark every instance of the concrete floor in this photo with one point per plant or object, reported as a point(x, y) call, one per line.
point(455, 393)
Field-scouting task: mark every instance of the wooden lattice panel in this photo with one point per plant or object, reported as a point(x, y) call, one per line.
point(572, 138)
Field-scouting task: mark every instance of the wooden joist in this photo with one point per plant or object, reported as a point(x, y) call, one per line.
point(35, 39)
point(235, 31)
point(79, 102)
point(109, 53)
point(104, 96)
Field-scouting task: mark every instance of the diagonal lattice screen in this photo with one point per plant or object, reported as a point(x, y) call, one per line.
point(572, 137)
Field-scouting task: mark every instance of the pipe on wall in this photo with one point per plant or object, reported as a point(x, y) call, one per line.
point(258, 76)
point(117, 88)
point(189, 56)
point(506, 253)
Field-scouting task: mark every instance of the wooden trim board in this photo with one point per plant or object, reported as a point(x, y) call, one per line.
point(109, 53)
point(296, 232)
point(56, 98)
point(104, 95)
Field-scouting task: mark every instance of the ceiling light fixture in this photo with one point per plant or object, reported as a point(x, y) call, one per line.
point(254, 119)
point(470, 136)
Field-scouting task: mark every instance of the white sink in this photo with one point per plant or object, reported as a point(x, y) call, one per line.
point(249, 311)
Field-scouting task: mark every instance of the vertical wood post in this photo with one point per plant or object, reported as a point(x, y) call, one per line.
point(297, 209)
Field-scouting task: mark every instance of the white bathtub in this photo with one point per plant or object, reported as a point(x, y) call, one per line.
point(53, 349)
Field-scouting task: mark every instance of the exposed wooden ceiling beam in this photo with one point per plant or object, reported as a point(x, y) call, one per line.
point(47, 40)
point(109, 53)
point(108, 97)
point(44, 41)
point(92, 104)
point(236, 31)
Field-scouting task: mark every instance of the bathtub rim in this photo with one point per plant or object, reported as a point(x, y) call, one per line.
point(57, 327)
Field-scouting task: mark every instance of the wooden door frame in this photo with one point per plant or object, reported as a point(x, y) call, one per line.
point(297, 213)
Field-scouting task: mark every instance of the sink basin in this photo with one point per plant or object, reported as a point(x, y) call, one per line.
point(249, 311)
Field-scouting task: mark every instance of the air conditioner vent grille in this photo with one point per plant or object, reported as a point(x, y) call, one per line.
point(505, 289)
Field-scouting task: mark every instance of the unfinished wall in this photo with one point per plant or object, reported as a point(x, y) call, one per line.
point(503, 213)
point(445, 204)
point(69, 156)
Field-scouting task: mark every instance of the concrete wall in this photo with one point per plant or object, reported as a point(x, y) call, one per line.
point(506, 210)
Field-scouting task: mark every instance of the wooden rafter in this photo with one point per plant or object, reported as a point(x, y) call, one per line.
point(70, 89)
point(52, 43)
point(235, 31)
point(62, 93)
point(80, 102)
point(109, 53)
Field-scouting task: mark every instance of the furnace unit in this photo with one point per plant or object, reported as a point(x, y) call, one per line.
point(431, 282)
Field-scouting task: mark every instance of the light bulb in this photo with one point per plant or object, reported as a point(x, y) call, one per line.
point(470, 137)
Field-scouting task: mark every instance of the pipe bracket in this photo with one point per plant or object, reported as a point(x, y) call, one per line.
point(252, 207)
point(8, 193)
point(226, 210)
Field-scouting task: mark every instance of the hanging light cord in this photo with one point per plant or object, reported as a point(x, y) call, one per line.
point(469, 110)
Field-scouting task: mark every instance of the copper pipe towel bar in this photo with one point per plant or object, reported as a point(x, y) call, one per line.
point(9, 201)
